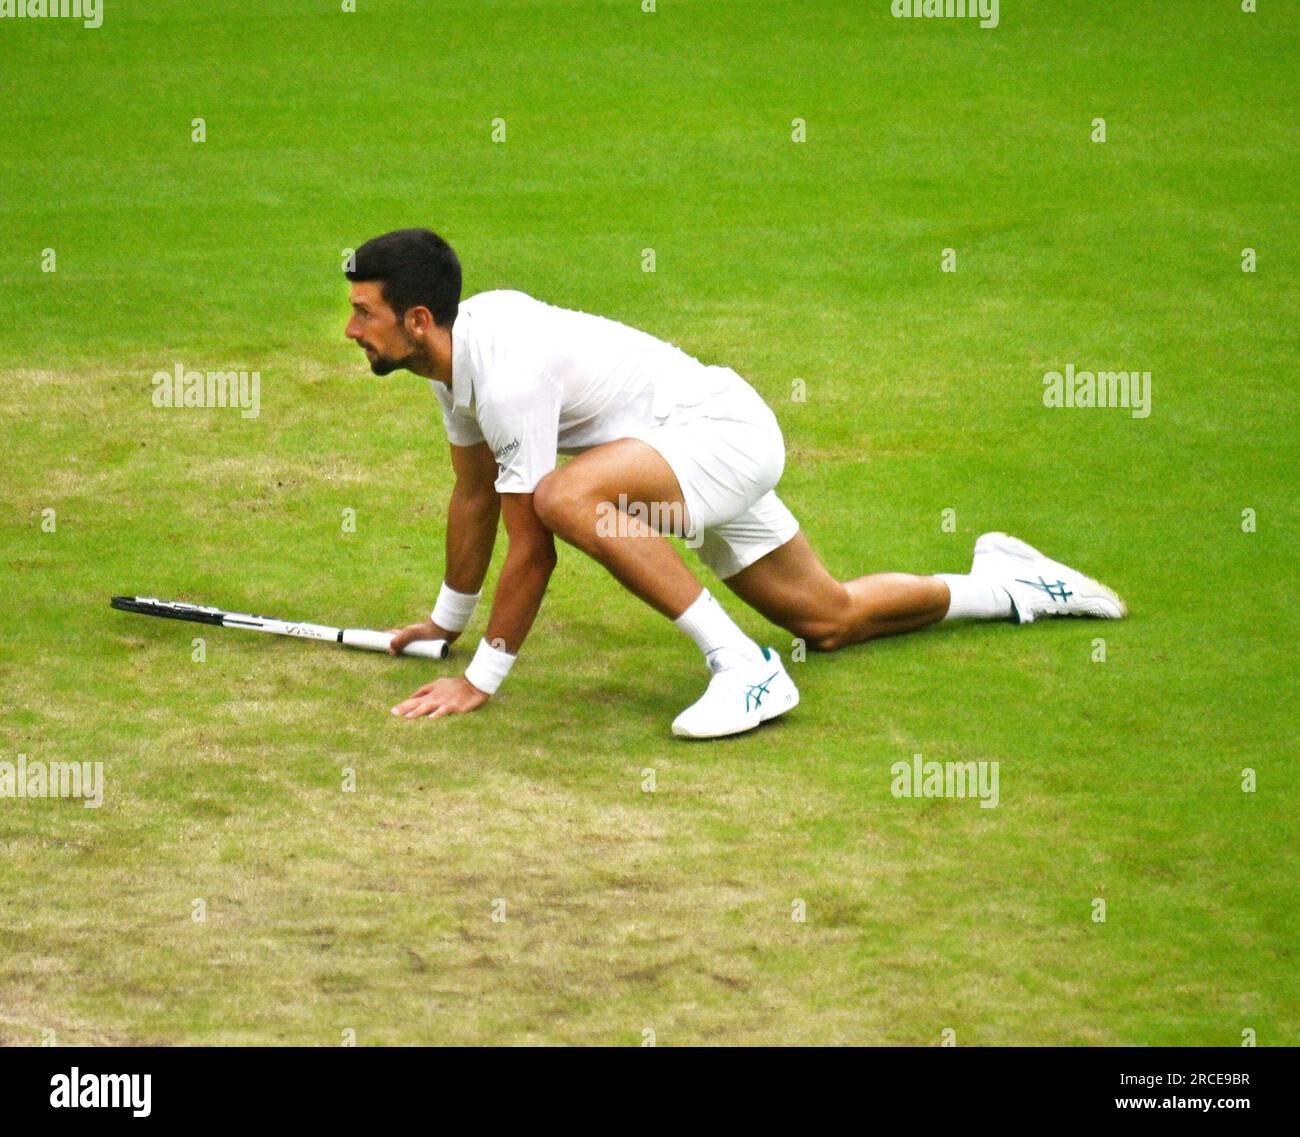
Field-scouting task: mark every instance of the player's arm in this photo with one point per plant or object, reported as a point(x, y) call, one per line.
point(530, 559)
point(472, 514)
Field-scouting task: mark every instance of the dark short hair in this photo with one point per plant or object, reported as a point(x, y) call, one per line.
point(415, 267)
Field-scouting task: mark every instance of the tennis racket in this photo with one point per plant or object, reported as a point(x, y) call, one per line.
point(202, 614)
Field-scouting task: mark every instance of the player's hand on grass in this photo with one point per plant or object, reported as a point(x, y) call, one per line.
point(445, 696)
point(425, 630)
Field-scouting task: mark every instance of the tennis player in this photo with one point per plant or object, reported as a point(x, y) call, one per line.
point(664, 444)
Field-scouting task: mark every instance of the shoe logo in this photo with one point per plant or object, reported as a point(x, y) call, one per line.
point(754, 696)
point(1057, 591)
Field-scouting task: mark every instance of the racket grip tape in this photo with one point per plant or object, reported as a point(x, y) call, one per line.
point(379, 641)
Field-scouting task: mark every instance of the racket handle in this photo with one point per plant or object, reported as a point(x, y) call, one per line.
point(427, 649)
point(379, 641)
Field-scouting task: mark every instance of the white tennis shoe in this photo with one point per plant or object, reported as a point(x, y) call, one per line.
point(742, 693)
point(1039, 586)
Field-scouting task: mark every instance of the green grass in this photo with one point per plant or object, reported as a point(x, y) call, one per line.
point(820, 261)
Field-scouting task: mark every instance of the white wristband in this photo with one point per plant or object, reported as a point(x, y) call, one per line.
point(489, 667)
point(454, 609)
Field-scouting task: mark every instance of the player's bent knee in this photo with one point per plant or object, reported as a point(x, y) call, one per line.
point(828, 641)
point(549, 501)
point(821, 635)
point(560, 505)
point(546, 498)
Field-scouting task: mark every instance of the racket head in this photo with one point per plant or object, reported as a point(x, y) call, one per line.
point(168, 609)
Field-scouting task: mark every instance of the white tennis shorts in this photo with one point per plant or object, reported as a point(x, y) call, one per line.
point(728, 454)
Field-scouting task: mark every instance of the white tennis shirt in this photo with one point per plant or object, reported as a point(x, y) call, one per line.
point(534, 381)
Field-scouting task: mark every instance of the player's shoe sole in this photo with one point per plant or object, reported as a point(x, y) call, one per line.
point(1040, 586)
point(739, 699)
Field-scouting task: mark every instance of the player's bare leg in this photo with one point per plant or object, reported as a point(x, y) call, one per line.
point(1009, 580)
point(749, 685)
point(793, 589)
point(576, 502)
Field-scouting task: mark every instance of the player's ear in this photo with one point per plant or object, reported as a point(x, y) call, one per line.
point(418, 320)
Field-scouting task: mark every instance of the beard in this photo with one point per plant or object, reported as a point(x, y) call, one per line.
point(387, 364)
